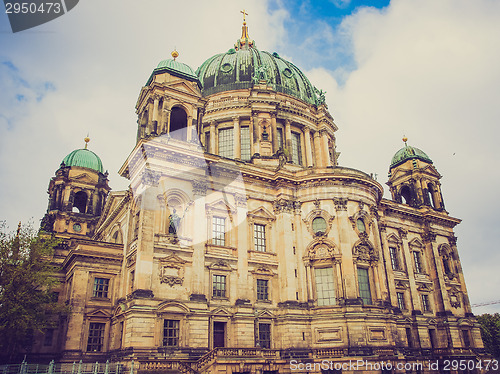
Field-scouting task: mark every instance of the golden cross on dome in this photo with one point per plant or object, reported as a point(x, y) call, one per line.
point(244, 14)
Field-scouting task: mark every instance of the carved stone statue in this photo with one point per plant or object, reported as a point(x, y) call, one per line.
point(175, 221)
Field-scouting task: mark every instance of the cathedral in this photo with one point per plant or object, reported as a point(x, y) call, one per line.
point(242, 246)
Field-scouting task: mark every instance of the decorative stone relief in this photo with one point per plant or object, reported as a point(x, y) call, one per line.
point(172, 270)
point(199, 187)
point(286, 206)
point(150, 177)
point(240, 200)
point(340, 203)
point(403, 233)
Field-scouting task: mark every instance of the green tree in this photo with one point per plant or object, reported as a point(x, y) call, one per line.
point(490, 332)
point(27, 302)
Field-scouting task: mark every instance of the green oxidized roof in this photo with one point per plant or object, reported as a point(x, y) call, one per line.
point(175, 68)
point(84, 158)
point(408, 153)
point(239, 69)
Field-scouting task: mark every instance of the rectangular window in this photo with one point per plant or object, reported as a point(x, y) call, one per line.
point(219, 231)
point(265, 335)
point(101, 287)
point(418, 262)
point(226, 148)
point(262, 289)
point(259, 236)
point(426, 306)
point(409, 338)
point(170, 333)
point(401, 300)
point(364, 286)
point(394, 258)
point(466, 338)
point(280, 138)
point(219, 285)
point(296, 149)
point(207, 142)
point(95, 341)
point(48, 337)
point(245, 144)
point(325, 289)
point(432, 338)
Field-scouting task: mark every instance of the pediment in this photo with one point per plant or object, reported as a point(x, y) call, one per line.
point(183, 86)
point(263, 270)
point(173, 307)
point(432, 321)
point(431, 170)
point(416, 242)
point(99, 313)
point(261, 212)
point(221, 312)
point(393, 238)
point(220, 205)
point(220, 265)
point(265, 314)
point(84, 178)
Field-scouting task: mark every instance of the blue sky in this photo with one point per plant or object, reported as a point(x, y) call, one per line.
point(427, 69)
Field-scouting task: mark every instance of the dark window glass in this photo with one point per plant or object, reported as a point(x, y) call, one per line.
point(265, 335)
point(319, 225)
point(226, 148)
point(48, 337)
point(425, 303)
point(401, 300)
point(101, 286)
point(296, 149)
point(95, 341)
point(418, 262)
point(245, 144)
point(394, 258)
point(170, 333)
point(262, 289)
point(219, 286)
point(364, 286)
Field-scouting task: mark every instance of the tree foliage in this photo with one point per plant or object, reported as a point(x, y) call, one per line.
point(27, 302)
point(490, 332)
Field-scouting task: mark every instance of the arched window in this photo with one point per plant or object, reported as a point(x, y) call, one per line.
point(178, 124)
point(407, 195)
point(80, 202)
point(432, 196)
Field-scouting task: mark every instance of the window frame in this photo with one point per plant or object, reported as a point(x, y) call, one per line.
point(267, 333)
point(225, 142)
point(332, 293)
point(400, 296)
point(245, 145)
point(426, 303)
point(394, 257)
point(101, 328)
point(418, 265)
point(367, 300)
point(296, 147)
point(260, 243)
point(106, 291)
point(215, 240)
point(214, 282)
point(266, 292)
point(176, 329)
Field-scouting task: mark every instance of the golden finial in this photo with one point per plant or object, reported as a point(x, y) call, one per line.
point(86, 140)
point(405, 139)
point(175, 54)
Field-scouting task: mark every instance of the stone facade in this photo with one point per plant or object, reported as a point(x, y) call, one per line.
point(242, 245)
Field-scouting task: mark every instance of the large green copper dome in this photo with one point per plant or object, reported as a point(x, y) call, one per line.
point(408, 153)
point(85, 159)
point(175, 68)
point(239, 69)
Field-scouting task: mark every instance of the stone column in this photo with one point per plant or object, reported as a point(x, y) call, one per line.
point(199, 221)
point(309, 280)
point(250, 133)
point(325, 153)
point(307, 143)
point(189, 128)
point(162, 126)
point(212, 138)
point(317, 150)
point(274, 133)
point(414, 295)
point(288, 138)
point(256, 134)
point(237, 138)
point(168, 112)
point(344, 229)
point(156, 105)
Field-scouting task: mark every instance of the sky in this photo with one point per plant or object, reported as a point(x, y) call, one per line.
point(426, 69)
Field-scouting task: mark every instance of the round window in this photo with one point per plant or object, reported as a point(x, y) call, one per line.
point(287, 73)
point(77, 227)
point(319, 225)
point(227, 67)
point(361, 225)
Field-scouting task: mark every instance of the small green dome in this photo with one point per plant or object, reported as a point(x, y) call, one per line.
point(240, 69)
point(175, 68)
point(407, 153)
point(84, 158)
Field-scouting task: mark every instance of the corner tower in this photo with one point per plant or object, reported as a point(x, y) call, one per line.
point(77, 194)
point(414, 180)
